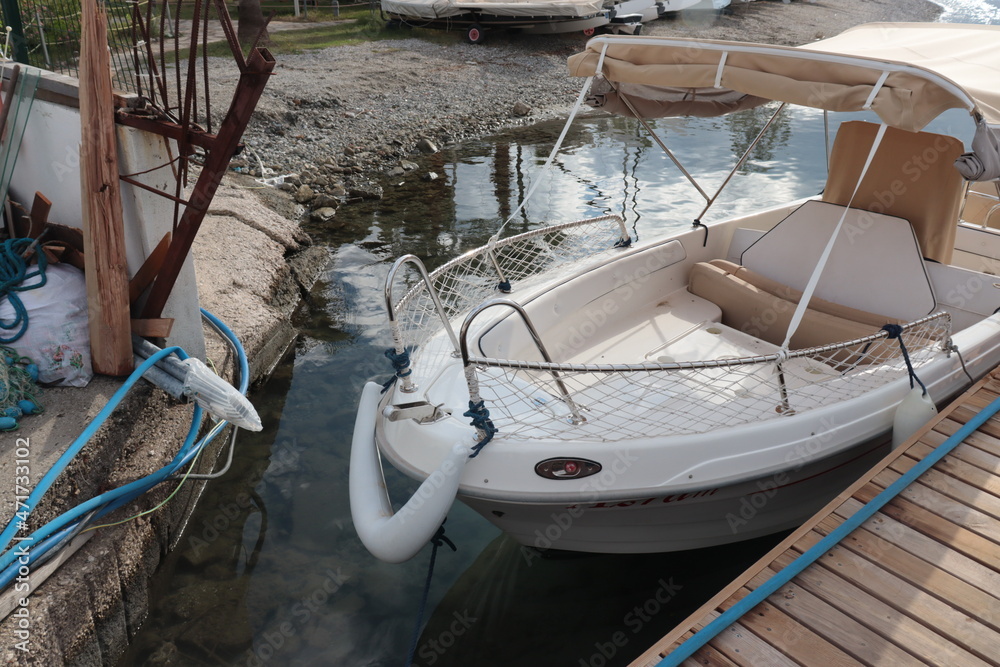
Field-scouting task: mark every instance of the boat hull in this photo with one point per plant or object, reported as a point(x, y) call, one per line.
point(681, 521)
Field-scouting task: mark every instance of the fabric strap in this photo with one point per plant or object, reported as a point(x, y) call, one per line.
point(807, 293)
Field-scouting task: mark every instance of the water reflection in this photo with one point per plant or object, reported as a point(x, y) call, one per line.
point(270, 570)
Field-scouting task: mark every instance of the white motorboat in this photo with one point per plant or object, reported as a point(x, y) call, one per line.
point(475, 17)
point(726, 381)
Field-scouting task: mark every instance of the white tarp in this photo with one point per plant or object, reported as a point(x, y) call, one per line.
point(434, 9)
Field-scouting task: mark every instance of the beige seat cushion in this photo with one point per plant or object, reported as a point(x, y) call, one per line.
point(754, 311)
point(790, 294)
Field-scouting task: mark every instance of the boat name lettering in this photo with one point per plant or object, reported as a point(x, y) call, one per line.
point(673, 498)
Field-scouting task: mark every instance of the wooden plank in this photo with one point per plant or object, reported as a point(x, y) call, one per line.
point(840, 629)
point(887, 621)
point(152, 327)
point(964, 414)
point(953, 511)
point(965, 541)
point(954, 488)
point(941, 555)
point(660, 650)
point(103, 226)
point(40, 209)
point(981, 440)
point(793, 639)
point(708, 655)
point(143, 278)
point(891, 589)
point(929, 577)
point(961, 463)
point(745, 648)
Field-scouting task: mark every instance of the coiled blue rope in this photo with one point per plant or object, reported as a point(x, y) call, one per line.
point(14, 277)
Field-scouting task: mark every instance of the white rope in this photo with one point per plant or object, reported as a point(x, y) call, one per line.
point(807, 293)
point(718, 72)
point(555, 149)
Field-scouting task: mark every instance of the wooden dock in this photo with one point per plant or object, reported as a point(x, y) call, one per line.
point(916, 583)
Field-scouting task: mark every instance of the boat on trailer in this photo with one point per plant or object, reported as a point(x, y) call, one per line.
point(475, 17)
point(587, 392)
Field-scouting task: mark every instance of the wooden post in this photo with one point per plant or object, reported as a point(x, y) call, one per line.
point(103, 226)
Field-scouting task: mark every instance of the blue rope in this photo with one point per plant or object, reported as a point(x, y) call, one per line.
point(771, 586)
point(14, 275)
point(400, 363)
point(896, 331)
point(481, 420)
point(438, 540)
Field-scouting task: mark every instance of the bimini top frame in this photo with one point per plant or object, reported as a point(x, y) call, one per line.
point(906, 73)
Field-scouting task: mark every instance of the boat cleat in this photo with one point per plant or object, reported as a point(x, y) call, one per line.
point(421, 411)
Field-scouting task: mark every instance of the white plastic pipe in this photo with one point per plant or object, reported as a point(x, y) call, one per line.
point(397, 537)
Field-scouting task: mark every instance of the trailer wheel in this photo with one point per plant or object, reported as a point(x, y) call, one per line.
point(475, 34)
point(589, 32)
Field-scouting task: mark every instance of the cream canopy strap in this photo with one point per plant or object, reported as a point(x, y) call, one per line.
point(810, 288)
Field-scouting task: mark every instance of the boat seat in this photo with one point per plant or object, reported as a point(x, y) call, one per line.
point(758, 312)
point(790, 294)
point(912, 176)
point(875, 265)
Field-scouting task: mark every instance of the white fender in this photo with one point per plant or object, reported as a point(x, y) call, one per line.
point(395, 538)
point(911, 414)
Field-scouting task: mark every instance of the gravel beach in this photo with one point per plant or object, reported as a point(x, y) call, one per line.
point(342, 117)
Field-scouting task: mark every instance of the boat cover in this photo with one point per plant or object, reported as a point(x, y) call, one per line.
point(434, 9)
point(912, 72)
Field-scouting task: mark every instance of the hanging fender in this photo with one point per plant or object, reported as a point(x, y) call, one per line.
point(390, 537)
point(915, 410)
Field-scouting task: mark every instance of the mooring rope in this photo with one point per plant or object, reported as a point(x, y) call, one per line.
point(400, 364)
point(14, 275)
point(480, 417)
point(438, 540)
point(896, 331)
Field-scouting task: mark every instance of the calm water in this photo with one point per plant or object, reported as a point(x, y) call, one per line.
point(270, 570)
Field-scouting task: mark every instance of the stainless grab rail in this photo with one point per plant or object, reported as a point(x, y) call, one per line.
point(397, 335)
point(473, 387)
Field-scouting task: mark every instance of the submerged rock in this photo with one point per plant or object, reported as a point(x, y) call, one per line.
point(324, 214)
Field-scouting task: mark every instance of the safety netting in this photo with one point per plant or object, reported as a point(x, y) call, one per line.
point(615, 402)
point(512, 263)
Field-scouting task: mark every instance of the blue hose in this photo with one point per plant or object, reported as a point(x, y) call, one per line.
point(21, 516)
point(54, 532)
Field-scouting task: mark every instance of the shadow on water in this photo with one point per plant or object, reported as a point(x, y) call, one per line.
point(269, 569)
point(514, 605)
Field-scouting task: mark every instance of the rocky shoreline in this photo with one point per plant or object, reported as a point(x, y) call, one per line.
point(335, 123)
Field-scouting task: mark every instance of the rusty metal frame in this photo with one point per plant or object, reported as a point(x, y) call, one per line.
point(219, 148)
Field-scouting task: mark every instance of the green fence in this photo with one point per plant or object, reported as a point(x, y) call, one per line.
point(46, 34)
